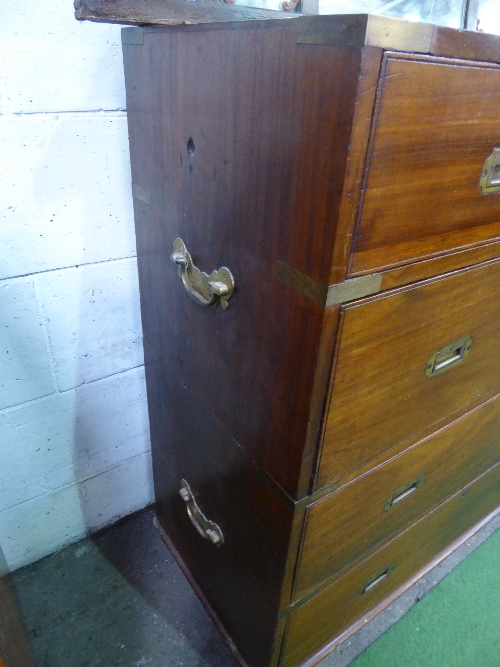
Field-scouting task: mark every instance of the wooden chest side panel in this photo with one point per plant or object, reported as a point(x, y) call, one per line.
point(437, 121)
point(353, 520)
point(325, 616)
point(261, 183)
point(381, 395)
point(242, 577)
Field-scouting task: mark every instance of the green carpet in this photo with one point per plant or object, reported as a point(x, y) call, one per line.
point(457, 624)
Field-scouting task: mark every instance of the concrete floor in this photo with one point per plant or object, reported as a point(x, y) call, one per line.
point(118, 599)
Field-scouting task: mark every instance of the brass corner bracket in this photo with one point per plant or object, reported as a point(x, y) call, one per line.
point(349, 290)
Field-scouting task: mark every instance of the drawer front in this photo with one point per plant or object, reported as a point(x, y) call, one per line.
point(381, 395)
point(328, 614)
point(437, 123)
point(354, 519)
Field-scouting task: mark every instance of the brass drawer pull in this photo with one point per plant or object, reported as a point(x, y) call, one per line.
point(404, 491)
point(206, 290)
point(448, 356)
point(373, 581)
point(206, 528)
point(489, 182)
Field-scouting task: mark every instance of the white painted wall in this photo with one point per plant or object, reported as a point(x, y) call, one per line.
point(74, 439)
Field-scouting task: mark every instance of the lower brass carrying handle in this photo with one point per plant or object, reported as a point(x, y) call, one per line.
point(207, 529)
point(206, 290)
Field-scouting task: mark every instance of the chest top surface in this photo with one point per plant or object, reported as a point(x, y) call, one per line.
point(339, 29)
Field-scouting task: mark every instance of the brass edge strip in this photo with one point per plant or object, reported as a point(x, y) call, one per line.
point(365, 30)
point(344, 30)
point(301, 283)
point(317, 495)
point(141, 193)
point(303, 600)
point(303, 502)
point(355, 288)
point(399, 34)
point(132, 36)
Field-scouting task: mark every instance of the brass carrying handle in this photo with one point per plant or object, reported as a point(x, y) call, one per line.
point(206, 528)
point(206, 290)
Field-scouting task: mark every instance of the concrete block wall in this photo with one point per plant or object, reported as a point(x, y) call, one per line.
point(74, 439)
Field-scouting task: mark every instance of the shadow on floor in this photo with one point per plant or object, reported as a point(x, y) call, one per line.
point(117, 599)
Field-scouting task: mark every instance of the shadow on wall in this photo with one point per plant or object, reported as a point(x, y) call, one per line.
point(112, 463)
point(75, 452)
point(94, 329)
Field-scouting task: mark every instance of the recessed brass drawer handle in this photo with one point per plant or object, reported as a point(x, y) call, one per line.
point(404, 491)
point(206, 528)
point(376, 579)
point(489, 182)
point(206, 290)
point(448, 356)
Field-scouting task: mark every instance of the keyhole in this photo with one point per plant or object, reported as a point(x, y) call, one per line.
point(190, 147)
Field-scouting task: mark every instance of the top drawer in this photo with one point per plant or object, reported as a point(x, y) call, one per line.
point(436, 123)
point(389, 344)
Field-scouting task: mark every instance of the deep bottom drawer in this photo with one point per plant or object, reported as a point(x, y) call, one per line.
point(330, 612)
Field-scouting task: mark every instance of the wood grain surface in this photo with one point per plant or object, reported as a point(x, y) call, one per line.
point(352, 520)
point(465, 44)
point(265, 143)
point(425, 269)
point(380, 394)
point(262, 184)
point(439, 247)
point(374, 611)
point(351, 193)
point(436, 123)
point(330, 612)
point(242, 578)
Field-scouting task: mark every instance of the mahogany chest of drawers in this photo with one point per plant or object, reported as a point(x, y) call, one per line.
point(323, 352)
